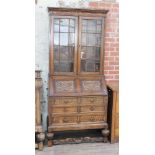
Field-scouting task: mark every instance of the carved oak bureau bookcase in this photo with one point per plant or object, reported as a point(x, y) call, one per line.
point(78, 95)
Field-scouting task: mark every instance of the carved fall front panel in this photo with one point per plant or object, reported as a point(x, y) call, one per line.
point(64, 86)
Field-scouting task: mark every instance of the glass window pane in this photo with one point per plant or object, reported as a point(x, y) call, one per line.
point(90, 66)
point(83, 52)
point(97, 66)
point(72, 25)
point(71, 39)
point(99, 28)
point(91, 26)
point(71, 53)
point(56, 38)
point(64, 39)
point(56, 67)
point(83, 39)
point(63, 53)
point(90, 54)
point(64, 23)
point(56, 25)
point(56, 53)
point(97, 53)
point(98, 39)
point(91, 40)
point(66, 67)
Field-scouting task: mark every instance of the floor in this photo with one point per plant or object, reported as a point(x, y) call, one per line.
point(81, 149)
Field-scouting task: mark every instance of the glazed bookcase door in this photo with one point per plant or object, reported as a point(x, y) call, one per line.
point(64, 45)
point(90, 45)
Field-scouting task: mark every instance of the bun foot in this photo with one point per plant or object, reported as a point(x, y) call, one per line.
point(105, 133)
point(50, 138)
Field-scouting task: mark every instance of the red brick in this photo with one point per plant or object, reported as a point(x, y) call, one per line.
point(109, 39)
point(114, 63)
point(106, 63)
point(116, 58)
point(113, 53)
point(105, 72)
point(93, 4)
point(116, 76)
point(113, 72)
point(110, 80)
point(108, 58)
point(106, 53)
point(116, 67)
point(108, 67)
point(109, 77)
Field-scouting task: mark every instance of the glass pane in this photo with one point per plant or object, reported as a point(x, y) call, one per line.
point(91, 26)
point(64, 39)
point(56, 38)
point(71, 39)
point(83, 39)
point(72, 25)
point(90, 54)
point(56, 25)
point(97, 53)
point(91, 40)
point(56, 53)
point(97, 66)
point(71, 53)
point(83, 63)
point(90, 66)
point(84, 25)
point(63, 53)
point(87, 66)
point(66, 67)
point(64, 23)
point(99, 28)
point(83, 52)
point(56, 66)
point(98, 39)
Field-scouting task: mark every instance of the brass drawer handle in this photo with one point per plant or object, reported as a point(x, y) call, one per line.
point(92, 100)
point(65, 120)
point(92, 108)
point(66, 102)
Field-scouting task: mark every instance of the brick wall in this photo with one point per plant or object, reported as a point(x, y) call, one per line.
point(111, 65)
point(111, 59)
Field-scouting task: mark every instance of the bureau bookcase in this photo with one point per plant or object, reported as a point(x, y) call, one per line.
point(78, 96)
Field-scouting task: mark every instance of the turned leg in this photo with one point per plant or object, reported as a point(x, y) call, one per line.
point(105, 133)
point(50, 138)
point(40, 138)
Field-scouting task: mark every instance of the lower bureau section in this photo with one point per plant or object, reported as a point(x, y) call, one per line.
point(92, 118)
point(76, 119)
point(80, 126)
point(77, 113)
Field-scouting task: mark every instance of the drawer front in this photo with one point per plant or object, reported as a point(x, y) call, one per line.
point(92, 118)
point(70, 101)
point(92, 100)
point(64, 119)
point(64, 109)
point(92, 108)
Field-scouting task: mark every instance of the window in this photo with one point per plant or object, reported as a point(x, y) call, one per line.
point(76, 44)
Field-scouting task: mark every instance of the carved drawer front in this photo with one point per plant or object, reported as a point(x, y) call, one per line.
point(91, 100)
point(92, 118)
point(64, 109)
point(65, 101)
point(64, 119)
point(92, 108)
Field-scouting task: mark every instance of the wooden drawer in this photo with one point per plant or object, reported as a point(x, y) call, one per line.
point(64, 101)
point(91, 100)
point(64, 109)
point(92, 118)
point(92, 108)
point(64, 119)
